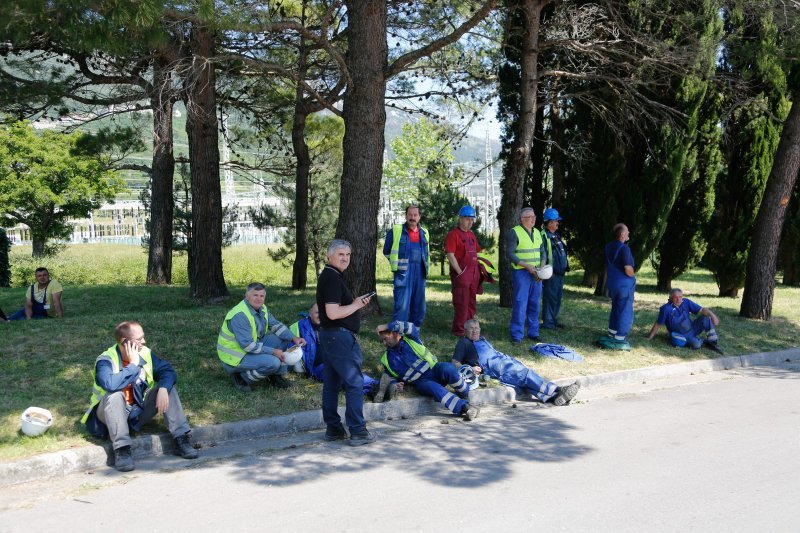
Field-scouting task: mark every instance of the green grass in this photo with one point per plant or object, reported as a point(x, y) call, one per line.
point(49, 363)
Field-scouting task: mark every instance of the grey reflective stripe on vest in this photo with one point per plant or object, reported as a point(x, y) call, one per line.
point(416, 370)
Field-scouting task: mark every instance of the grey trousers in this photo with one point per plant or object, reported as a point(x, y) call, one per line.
point(113, 412)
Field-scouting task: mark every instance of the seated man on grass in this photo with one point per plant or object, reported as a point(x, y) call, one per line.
point(251, 342)
point(311, 364)
point(409, 361)
point(43, 299)
point(683, 331)
point(125, 396)
point(475, 351)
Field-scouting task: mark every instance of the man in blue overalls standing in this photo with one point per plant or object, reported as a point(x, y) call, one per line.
point(621, 283)
point(683, 331)
point(406, 247)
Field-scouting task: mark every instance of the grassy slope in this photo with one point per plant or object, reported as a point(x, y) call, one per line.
point(48, 363)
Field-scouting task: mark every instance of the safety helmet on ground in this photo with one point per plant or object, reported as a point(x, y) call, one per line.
point(551, 214)
point(467, 211)
point(469, 375)
point(545, 272)
point(677, 339)
point(292, 355)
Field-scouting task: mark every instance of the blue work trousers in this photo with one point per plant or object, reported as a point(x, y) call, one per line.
point(620, 320)
point(257, 366)
point(433, 383)
point(341, 354)
point(512, 372)
point(552, 292)
point(700, 325)
point(525, 313)
point(409, 292)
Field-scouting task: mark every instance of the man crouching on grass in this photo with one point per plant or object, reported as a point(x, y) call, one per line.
point(125, 396)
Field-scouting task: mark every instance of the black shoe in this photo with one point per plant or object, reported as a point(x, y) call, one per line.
point(240, 383)
point(535, 339)
point(561, 326)
point(280, 381)
point(382, 394)
point(712, 345)
point(185, 448)
point(335, 433)
point(515, 343)
point(359, 439)
point(548, 327)
point(123, 459)
point(566, 394)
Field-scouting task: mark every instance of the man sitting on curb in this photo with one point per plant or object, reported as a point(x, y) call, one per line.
point(683, 331)
point(475, 351)
point(311, 364)
point(125, 396)
point(251, 342)
point(409, 361)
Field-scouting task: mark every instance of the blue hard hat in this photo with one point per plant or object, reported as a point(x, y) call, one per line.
point(467, 211)
point(677, 339)
point(551, 214)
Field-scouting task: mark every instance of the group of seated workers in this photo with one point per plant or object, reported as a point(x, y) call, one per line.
point(252, 343)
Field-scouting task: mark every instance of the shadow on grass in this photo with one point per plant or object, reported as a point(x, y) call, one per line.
point(476, 455)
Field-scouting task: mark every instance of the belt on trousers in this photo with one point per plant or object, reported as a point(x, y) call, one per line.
point(345, 330)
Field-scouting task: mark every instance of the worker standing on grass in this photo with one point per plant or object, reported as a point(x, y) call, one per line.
point(621, 283)
point(461, 247)
point(526, 250)
point(407, 249)
point(553, 288)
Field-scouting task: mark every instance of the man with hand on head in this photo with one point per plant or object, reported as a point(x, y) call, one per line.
point(125, 396)
point(251, 342)
point(409, 361)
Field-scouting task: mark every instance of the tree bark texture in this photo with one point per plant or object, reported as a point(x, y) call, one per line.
point(162, 202)
point(364, 117)
point(519, 156)
point(759, 286)
point(300, 266)
point(207, 282)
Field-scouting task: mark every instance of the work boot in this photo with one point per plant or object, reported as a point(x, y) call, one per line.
point(279, 381)
point(564, 395)
point(333, 433)
point(240, 383)
point(470, 412)
point(383, 388)
point(184, 446)
point(712, 345)
point(123, 459)
point(359, 439)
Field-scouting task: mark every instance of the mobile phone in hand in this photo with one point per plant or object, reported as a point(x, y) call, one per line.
point(370, 295)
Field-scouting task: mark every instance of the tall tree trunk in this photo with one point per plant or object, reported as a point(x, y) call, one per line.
point(557, 154)
point(207, 281)
point(38, 246)
point(162, 206)
point(300, 266)
point(519, 156)
point(365, 117)
point(759, 286)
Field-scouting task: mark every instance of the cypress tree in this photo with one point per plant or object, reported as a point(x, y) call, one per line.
point(751, 138)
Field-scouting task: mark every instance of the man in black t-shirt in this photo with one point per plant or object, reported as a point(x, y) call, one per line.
point(340, 320)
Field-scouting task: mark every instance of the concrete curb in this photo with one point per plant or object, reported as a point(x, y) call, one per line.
point(88, 457)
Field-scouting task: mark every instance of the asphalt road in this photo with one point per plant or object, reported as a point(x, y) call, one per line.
point(717, 452)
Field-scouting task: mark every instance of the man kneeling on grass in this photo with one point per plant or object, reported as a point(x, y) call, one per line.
point(125, 396)
point(409, 361)
point(475, 351)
